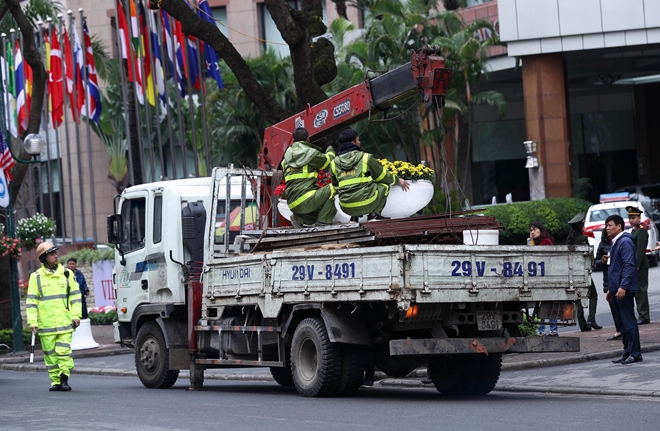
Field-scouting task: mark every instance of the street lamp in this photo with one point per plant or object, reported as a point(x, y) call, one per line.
point(34, 144)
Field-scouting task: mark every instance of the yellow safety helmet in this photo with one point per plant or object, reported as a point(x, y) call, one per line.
point(45, 248)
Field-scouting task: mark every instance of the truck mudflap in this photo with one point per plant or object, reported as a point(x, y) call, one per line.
point(444, 346)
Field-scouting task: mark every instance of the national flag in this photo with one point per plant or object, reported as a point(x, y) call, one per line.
point(175, 56)
point(10, 90)
point(145, 47)
point(210, 56)
point(79, 63)
point(55, 81)
point(72, 78)
point(128, 54)
point(21, 96)
point(135, 29)
point(6, 159)
point(193, 63)
point(155, 50)
point(92, 111)
point(28, 87)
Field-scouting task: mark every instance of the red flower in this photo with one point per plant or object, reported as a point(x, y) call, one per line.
point(279, 190)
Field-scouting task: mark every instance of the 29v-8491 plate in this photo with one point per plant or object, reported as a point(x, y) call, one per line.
point(489, 320)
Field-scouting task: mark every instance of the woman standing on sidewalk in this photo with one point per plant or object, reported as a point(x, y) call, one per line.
point(539, 235)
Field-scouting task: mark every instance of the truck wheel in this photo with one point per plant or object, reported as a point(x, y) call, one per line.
point(152, 359)
point(352, 370)
point(489, 373)
point(315, 361)
point(455, 375)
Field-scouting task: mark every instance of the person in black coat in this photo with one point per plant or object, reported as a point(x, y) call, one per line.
point(600, 263)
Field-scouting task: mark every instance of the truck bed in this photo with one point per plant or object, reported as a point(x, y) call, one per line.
point(402, 273)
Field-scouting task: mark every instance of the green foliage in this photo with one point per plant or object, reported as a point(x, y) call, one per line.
point(7, 337)
point(529, 328)
point(89, 255)
point(35, 10)
point(553, 213)
point(103, 318)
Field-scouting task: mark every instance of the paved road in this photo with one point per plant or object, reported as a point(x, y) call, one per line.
point(603, 314)
point(103, 403)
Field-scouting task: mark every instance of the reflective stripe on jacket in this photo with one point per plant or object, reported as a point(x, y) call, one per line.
point(301, 164)
point(48, 306)
point(355, 175)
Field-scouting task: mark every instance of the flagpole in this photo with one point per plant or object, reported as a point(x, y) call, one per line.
point(57, 142)
point(88, 103)
point(168, 108)
point(191, 104)
point(157, 114)
point(124, 93)
point(133, 66)
point(202, 92)
point(147, 110)
point(66, 131)
point(45, 122)
point(81, 187)
point(178, 103)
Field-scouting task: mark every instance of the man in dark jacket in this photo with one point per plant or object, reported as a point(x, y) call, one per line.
point(622, 286)
point(576, 237)
point(641, 237)
point(600, 263)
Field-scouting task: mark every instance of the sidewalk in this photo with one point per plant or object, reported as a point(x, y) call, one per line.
point(593, 346)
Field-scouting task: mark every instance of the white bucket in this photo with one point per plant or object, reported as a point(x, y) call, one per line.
point(82, 337)
point(481, 237)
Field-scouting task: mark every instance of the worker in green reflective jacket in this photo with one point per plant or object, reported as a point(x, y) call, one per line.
point(54, 308)
point(310, 204)
point(362, 182)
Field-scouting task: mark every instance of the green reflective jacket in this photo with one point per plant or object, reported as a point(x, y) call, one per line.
point(355, 174)
point(48, 306)
point(302, 162)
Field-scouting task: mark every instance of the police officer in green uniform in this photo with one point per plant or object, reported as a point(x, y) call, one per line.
point(576, 237)
point(362, 182)
point(641, 238)
point(310, 204)
point(53, 308)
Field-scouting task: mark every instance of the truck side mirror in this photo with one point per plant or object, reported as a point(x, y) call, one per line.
point(114, 230)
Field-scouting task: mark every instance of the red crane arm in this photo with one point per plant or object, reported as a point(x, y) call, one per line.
point(425, 74)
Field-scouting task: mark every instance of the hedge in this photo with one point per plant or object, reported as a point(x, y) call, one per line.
point(554, 213)
point(89, 255)
point(7, 337)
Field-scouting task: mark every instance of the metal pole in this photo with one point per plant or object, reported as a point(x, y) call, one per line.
point(191, 104)
point(88, 100)
point(167, 98)
point(57, 144)
point(202, 94)
point(44, 122)
point(154, 78)
point(16, 321)
point(124, 93)
point(81, 188)
point(178, 103)
point(72, 216)
point(147, 110)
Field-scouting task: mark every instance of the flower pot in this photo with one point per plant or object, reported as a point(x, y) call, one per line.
point(402, 204)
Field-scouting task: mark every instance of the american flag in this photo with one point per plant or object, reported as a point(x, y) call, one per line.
point(6, 159)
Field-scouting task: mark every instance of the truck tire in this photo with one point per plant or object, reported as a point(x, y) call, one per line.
point(315, 361)
point(152, 359)
point(455, 375)
point(489, 373)
point(352, 370)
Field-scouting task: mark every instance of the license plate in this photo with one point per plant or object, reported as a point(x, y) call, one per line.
point(489, 320)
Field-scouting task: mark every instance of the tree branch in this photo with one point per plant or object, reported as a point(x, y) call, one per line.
point(193, 25)
point(33, 58)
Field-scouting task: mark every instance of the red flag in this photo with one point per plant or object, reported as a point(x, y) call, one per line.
point(70, 73)
point(55, 81)
point(126, 52)
point(145, 48)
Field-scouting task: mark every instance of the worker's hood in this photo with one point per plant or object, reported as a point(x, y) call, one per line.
point(300, 154)
point(348, 161)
